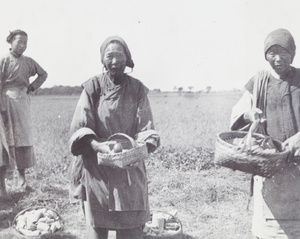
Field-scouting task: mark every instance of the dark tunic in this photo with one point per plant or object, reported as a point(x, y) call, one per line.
point(276, 199)
point(111, 200)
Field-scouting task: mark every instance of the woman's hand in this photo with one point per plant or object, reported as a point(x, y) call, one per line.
point(102, 147)
point(293, 144)
point(252, 115)
point(30, 88)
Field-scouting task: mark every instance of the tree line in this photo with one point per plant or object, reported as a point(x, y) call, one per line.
point(76, 90)
point(59, 90)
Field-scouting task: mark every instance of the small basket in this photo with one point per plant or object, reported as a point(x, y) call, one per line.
point(257, 163)
point(178, 234)
point(19, 235)
point(134, 152)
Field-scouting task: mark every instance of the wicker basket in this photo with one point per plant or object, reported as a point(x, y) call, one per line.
point(178, 234)
point(260, 163)
point(132, 153)
point(19, 235)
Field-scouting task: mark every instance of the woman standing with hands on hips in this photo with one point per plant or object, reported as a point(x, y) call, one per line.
point(276, 207)
point(15, 71)
point(112, 102)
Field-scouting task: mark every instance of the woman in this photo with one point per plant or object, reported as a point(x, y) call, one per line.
point(276, 212)
point(112, 102)
point(15, 72)
point(4, 163)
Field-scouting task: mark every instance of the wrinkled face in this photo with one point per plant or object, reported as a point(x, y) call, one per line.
point(19, 44)
point(114, 59)
point(279, 59)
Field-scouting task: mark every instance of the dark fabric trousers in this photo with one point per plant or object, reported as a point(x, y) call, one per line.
point(102, 233)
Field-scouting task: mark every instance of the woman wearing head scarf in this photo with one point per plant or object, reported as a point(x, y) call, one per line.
point(276, 211)
point(15, 71)
point(112, 102)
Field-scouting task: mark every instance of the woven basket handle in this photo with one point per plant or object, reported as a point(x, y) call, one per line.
point(260, 94)
point(255, 94)
point(133, 143)
point(257, 124)
point(259, 101)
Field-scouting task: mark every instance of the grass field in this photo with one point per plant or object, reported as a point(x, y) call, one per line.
point(211, 201)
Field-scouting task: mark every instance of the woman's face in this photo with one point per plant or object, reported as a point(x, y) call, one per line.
point(279, 59)
point(114, 59)
point(19, 44)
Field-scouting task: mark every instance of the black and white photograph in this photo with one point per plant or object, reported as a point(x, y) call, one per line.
point(153, 119)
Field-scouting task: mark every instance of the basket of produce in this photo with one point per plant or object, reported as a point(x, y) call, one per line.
point(34, 222)
point(163, 225)
point(124, 152)
point(252, 153)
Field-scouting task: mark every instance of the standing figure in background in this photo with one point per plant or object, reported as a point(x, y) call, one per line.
point(276, 208)
point(112, 102)
point(4, 161)
point(15, 71)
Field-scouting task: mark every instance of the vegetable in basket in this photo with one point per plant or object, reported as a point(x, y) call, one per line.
point(36, 222)
point(162, 224)
point(117, 148)
point(250, 144)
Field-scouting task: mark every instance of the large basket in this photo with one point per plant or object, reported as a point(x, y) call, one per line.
point(257, 163)
point(132, 153)
point(20, 235)
point(178, 234)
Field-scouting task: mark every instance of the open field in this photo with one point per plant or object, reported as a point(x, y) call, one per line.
point(211, 202)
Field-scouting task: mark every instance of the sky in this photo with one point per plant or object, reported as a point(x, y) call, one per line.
point(174, 43)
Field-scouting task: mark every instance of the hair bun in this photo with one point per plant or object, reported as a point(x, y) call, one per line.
point(12, 34)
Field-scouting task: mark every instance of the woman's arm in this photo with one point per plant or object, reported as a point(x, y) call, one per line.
point(41, 77)
point(242, 114)
point(2, 105)
point(244, 105)
point(145, 128)
point(2, 97)
point(84, 137)
point(99, 145)
point(82, 127)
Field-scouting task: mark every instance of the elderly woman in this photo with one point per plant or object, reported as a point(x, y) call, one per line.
point(15, 72)
point(277, 199)
point(112, 102)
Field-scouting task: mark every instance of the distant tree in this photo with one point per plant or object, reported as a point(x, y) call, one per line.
point(175, 88)
point(190, 88)
point(180, 89)
point(208, 89)
point(157, 90)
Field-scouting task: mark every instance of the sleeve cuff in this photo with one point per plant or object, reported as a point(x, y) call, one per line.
point(151, 137)
point(76, 145)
